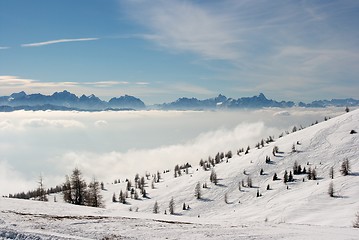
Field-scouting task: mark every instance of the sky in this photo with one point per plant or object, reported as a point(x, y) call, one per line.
point(160, 50)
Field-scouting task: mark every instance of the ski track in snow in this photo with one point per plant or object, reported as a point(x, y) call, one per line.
point(304, 211)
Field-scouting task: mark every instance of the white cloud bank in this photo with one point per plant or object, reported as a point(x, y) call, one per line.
point(112, 145)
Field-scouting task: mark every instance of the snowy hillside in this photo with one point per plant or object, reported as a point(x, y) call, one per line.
point(293, 210)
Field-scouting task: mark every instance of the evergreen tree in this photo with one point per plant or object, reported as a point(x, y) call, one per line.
point(268, 187)
point(285, 177)
point(331, 189)
point(226, 198)
point(229, 154)
point(184, 206)
point(295, 168)
point(275, 177)
point(78, 186)
point(356, 221)
point(93, 196)
point(310, 173)
point(122, 197)
point(41, 192)
point(345, 167)
point(331, 172)
point(314, 174)
point(144, 193)
point(261, 172)
point(156, 208)
point(290, 177)
point(136, 195)
point(247, 150)
point(249, 182)
point(129, 185)
point(171, 206)
point(67, 190)
point(114, 199)
point(275, 150)
point(197, 191)
point(213, 177)
point(158, 176)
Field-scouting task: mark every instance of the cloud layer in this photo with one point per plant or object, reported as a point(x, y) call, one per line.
point(111, 145)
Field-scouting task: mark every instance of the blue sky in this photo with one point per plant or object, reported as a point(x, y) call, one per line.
point(162, 50)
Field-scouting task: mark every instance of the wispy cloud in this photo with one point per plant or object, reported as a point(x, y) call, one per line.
point(15, 81)
point(39, 44)
point(264, 42)
point(184, 26)
point(3, 48)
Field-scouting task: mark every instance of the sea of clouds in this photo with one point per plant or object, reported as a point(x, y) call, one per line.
point(116, 145)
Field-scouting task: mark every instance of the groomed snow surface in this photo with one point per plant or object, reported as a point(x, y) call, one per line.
point(296, 210)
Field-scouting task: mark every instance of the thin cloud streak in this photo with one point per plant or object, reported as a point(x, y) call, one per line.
point(39, 44)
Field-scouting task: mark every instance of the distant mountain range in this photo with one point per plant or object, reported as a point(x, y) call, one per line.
point(67, 101)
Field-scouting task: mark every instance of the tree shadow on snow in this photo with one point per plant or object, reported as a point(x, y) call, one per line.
point(338, 196)
point(205, 200)
point(354, 174)
point(221, 185)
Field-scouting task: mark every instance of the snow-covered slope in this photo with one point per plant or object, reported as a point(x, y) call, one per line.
point(322, 146)
point(281, 212)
